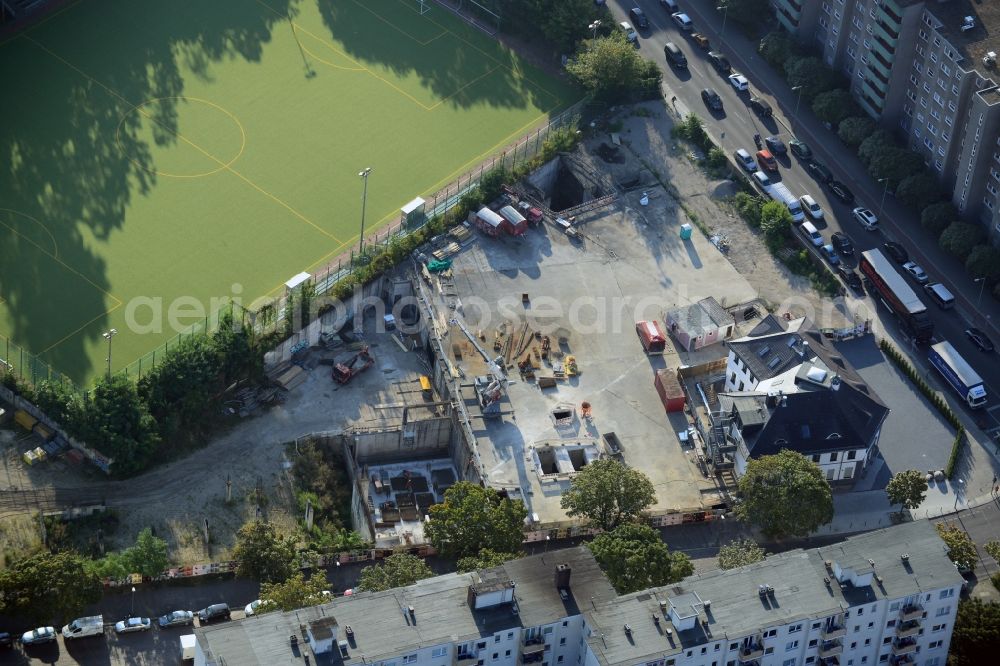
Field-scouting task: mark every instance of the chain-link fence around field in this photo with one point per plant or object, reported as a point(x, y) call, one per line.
point(18, 362)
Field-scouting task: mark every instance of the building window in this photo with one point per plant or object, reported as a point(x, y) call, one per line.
point(791, 645)
point(412, 658)
point(816, 457)
point(795, 628)
point(496, 639)
point(851, 455)
point(934, 644)
point(507, 654)
point(559, 660)
point(833, 457)
point(944, 610)
point(769, 650)
point(496, 655)
point(439, 652)
point(947, 594)
point(562, 641)
point(788, 662)
point(939, 165)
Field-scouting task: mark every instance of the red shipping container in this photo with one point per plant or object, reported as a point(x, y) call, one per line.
point(652, 336)
point(669, 388)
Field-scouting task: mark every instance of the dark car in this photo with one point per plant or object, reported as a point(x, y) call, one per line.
point(720, 62)
point(711, 99)
point(213, 612)
point(896, 251)
point(669, 5)
point(800, 149)
point(819, 172)
point(761, 107)
point(979, 339)
point(842, 243)
point(776, 145)
point(6, 640)
point(850, 278)
point(639, 18)
point(841, 192)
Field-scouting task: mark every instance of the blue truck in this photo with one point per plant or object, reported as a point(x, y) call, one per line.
point(966, 382)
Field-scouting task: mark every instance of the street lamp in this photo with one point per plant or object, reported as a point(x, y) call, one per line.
point(958, 489)
point(131, 612)
point(364, 202)
point(798, 101)
point(885, 191)
point(594, 26)
point(107, 336)
point(725, 12)
point(982, 283)
point(547, 537)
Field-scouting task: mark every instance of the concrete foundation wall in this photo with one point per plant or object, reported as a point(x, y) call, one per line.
point(414, 441)
point(545, 176)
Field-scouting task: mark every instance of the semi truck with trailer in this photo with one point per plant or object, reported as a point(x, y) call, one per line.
point(958, 373)
point(897, 295)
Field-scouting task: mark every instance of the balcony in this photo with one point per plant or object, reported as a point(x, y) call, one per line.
point(873, 87)
point(905, 646)
point(749, 653)
point(830, 661)
point(883, 31)
point(908, 613)
point(890, 12)
point(903, 660)
point(465, 659)
point(831, 632)
point(830, 649)
point(879, 76)
point(885, 63)
point(907, 629)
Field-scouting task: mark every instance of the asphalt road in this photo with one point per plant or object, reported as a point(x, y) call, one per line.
point(735, 127)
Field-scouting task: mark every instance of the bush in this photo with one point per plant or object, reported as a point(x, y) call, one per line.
point(716, 161)
point(748, 206)
point(777, 48)
point(853, 131)
point(936, 217)
point(775, 221)
point(960, 237)
point(895, 164)
point(919, 191)
point(811, 75)
point(984, 261)
point(877, 143)
point(833, 106)
point(956, 452)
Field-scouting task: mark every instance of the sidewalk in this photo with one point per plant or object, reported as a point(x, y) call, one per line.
point(896, 221)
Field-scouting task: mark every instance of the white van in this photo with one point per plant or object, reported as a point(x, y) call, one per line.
point(809, 231)
point(82, 627)
point(940, 295)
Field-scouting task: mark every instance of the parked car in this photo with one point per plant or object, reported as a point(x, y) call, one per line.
point(916, 272)
point(766, 160)
point(213, 612)
point(775, 145)
point(761, 179)
point(258, 606)
point(979, 339)
point(841, 192)
point(700, 39)
point(630, 34)
point(669, 5)
point(761, 107)
point(830, 254)
point(711, 99)
point(720, 62)
point(132, 625)
point(177, 618)
point(800, 149)
point(739, 81)
point(38, 636)
point(819, 172)
point(842, 243)
point(639, 17)
point(6, 640)
point(866, 218)
point(849, 277)
point(745, 160)
point(812, 209)
point(896, 251)
point(683, 21)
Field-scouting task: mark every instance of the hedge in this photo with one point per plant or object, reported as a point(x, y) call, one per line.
point(956, 451)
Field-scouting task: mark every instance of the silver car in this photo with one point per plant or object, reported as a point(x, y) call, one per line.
point(178, 618)
point(38, 636)
point(133, 624)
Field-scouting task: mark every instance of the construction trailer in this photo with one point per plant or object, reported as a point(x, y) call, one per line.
point(668, 387)
point(489, 222)
point(515, 224)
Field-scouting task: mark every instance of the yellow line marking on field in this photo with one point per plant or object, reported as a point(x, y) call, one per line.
point(55, 244)
point(70, 335)
point(295, 31)
point(180, 136)
point(43, 21)
point(444, 31)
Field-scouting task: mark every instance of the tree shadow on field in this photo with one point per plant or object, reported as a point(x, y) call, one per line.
point(76, 154)
point(454, 61)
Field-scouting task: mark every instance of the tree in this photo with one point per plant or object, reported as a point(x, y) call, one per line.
point(486, 559)
point(472, 518)
point(775, 221)
point(919, 191)
point(936, 217)
point(48, 588)
point(809, 74)
point(976, 635)
point(748, 206)
point(833, 106)
point(777, 48)
point(396, 570)
point(895, 164)
point(785, 495)
point(907, 489)
point(992, 549)
point(612, 70)
point(984, 261)
point(117, 423)
point(853, 131)
point(877, 142)
point(960, 237)
point(296, 591)
point(263, 554)
point(739, 553)
point(148, 556)
point(748, 14)
point(608, 493)
point(634, 557)
point(961, 549)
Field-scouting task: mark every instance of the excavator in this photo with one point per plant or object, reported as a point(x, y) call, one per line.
point(345, 372)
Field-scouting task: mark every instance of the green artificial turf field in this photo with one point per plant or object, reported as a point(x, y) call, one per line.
point(158, 155)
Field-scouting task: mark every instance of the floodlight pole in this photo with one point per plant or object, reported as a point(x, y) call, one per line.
point(594, 26)
point(107, 335)
point(364, 202)
point(982, 283)
point(725, 12)
point(797, 101)
point(885, 190)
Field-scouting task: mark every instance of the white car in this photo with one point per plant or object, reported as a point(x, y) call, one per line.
point(683, 21)
point(866, 218)
point(133, 624)
point(739, 81)
point(761, 179)
point(916, 272)
point(745, 160)
point(38, 636)
point(630, 34)
point(809, 204)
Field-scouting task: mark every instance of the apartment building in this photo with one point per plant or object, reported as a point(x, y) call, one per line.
point(926, 70)
point(886, 597)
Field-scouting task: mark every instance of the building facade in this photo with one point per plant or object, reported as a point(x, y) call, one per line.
point(925, 70)
point(886, 597)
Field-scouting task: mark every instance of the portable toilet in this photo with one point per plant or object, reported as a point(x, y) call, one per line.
point(685, 232)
